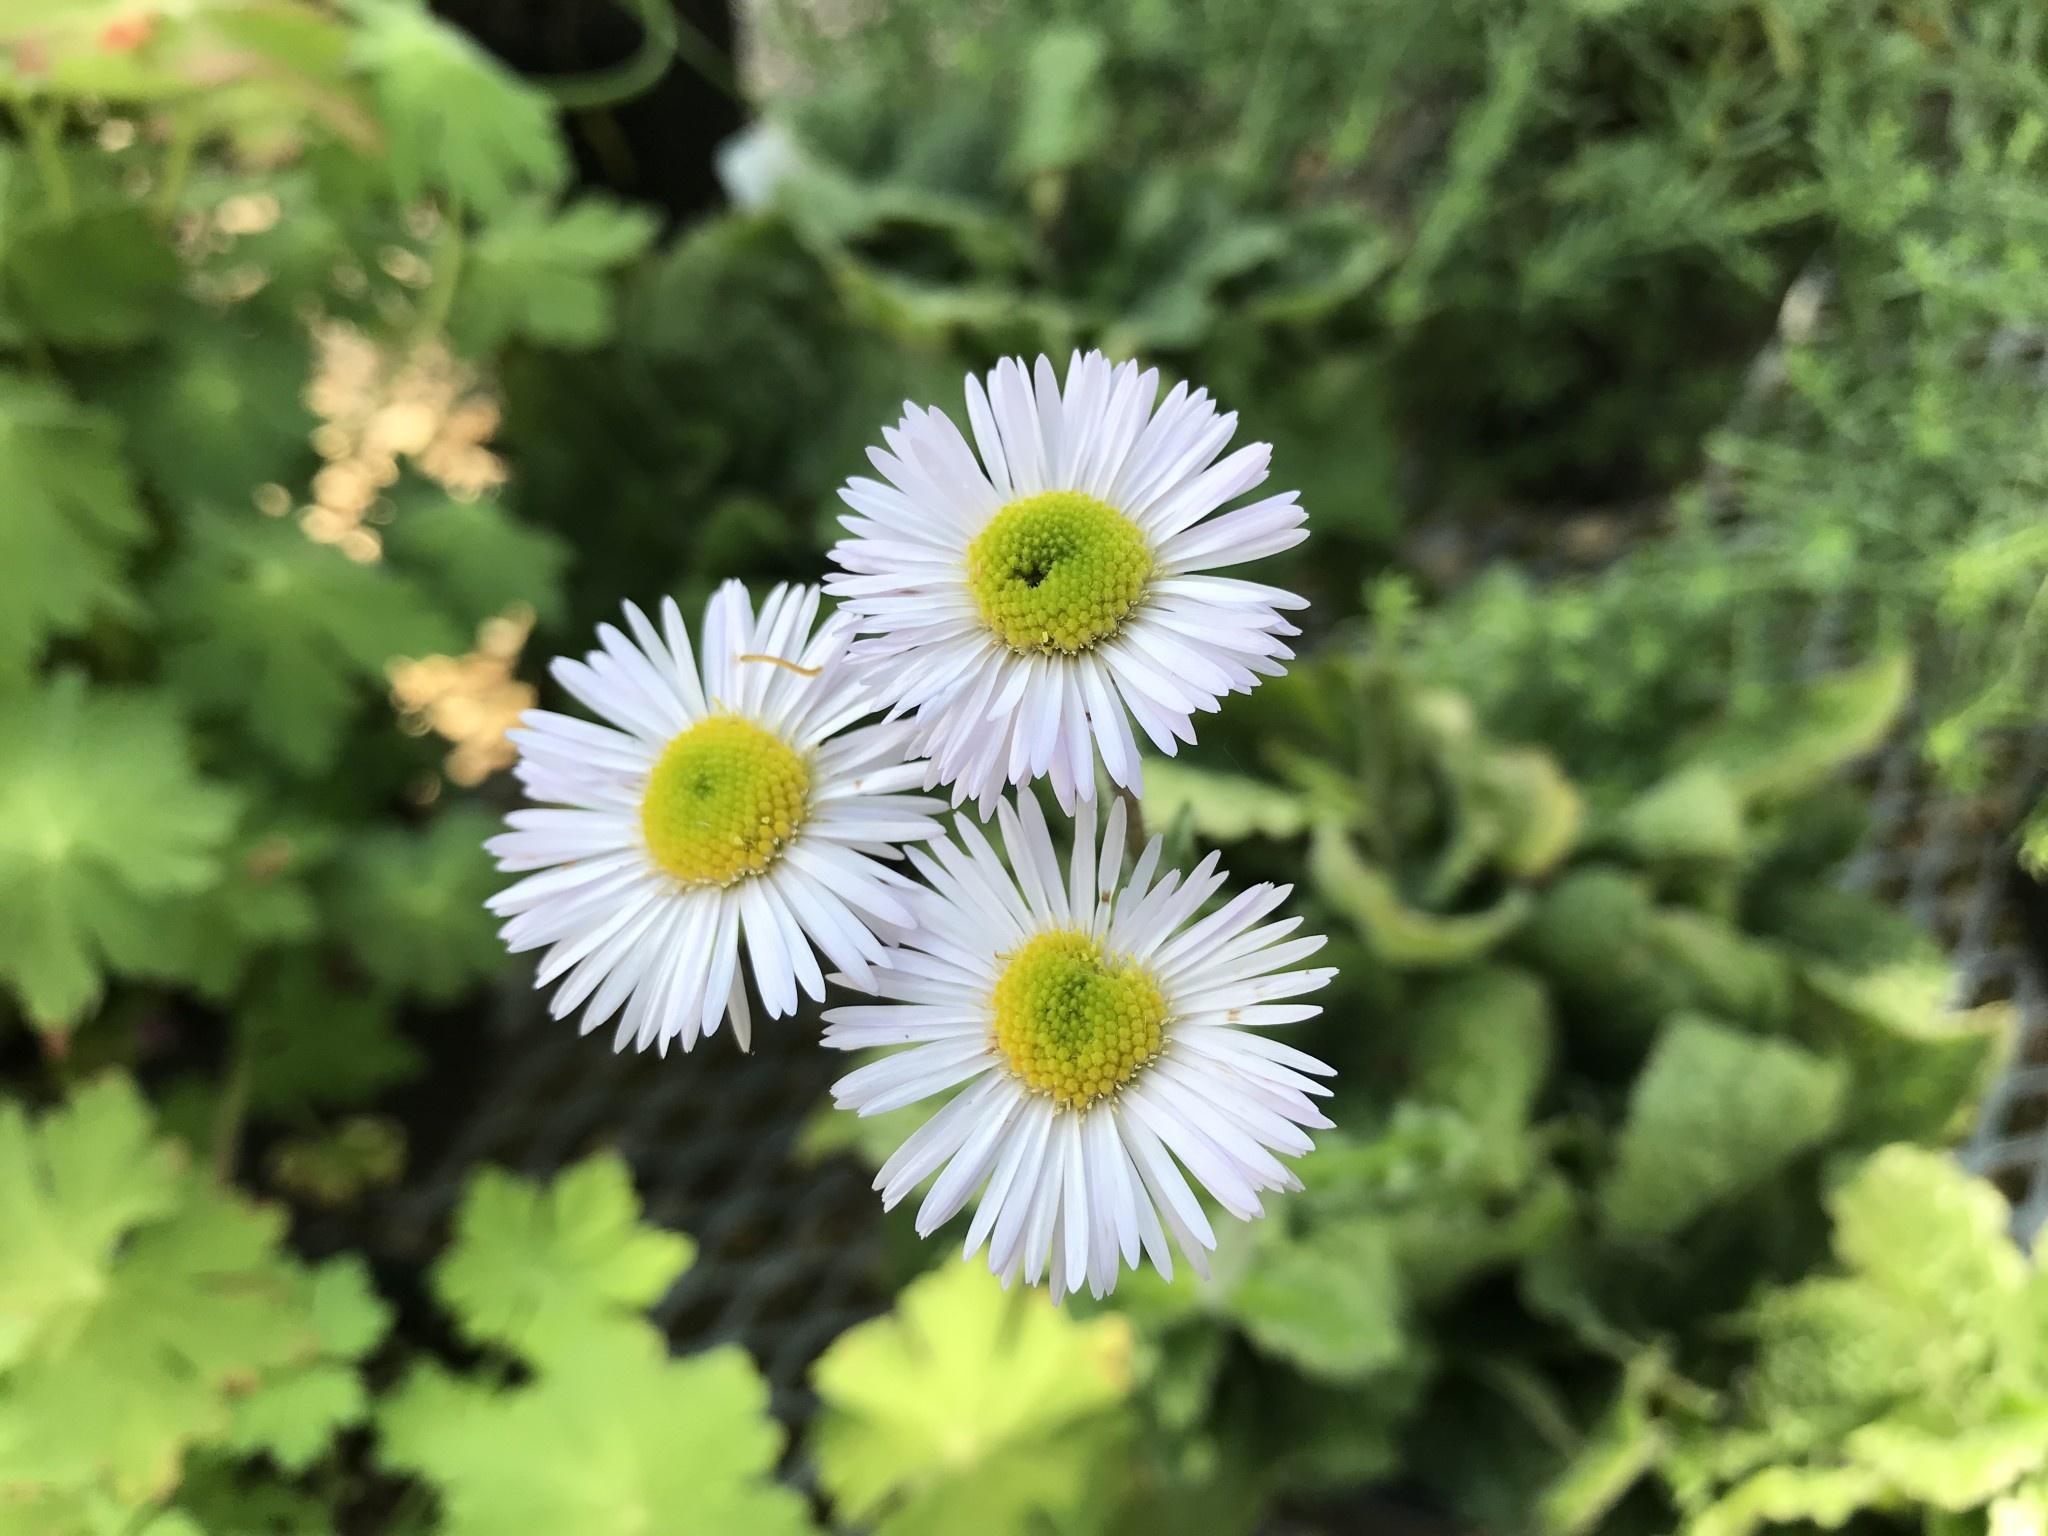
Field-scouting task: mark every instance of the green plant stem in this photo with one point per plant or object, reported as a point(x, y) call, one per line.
point(43, 127)
point(178, 165)
point(231, 1114)
point(664, 36)
point(449, 251)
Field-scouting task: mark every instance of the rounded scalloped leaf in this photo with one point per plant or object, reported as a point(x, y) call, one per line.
point(969, 1408)
point(147, 1313)
point(456, 119)
point(70, 515)
point(539, 1269)
point(102, 817)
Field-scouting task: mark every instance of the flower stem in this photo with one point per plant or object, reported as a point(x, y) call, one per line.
point(178, 165)
point(43, 125)
point(231, 1113)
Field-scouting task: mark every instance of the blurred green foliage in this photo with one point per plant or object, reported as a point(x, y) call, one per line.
point(1599, 1068)
point(1597, 1064)
point(1909, 1372)
point(1759, 279)
point(1688, 354)
point(220, 308)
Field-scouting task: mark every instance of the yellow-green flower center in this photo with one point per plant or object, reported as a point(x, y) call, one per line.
point(1059, 571)
point(1073, 1021)
point(724, 798)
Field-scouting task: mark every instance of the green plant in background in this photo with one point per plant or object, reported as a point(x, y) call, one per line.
point(1758, 277)
point(1596, 1066)
point(1443, 254)
point(600, 1429)
point(1908, 1374)
point(148, 1317)
point(313, 377)
point(165, 1365)
point(251, 491)
point(1879, 477)
point(1600, 1063)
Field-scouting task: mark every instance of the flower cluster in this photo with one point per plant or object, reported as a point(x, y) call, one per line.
point(1010, 606)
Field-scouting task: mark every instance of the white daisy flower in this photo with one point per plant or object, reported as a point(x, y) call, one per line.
point(1029, 605)
point(718, 805)
point(1102, 1034)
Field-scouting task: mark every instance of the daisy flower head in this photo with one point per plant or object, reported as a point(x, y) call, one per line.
point(1025, 599)
point(1107, 1038)
point(723, 801)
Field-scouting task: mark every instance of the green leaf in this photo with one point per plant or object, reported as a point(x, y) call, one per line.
point(545, 277)
point(349, 1317)
point(91, 1513)
point(311, 1044)
point(1724, 971)
point(1919, 1360)
point(171, 1302)
point(1949, 1470)
point(103, 277)
point(1623, 965)
point(295, 1417)
point(262, 71)
point(259, 903)
point(1329, 1303)
point(457, 120)
point(1065, 110)
point(1406, 937)
point(217, 409)
point(411, 904)
point(71, 516)
point(477, 560)
point(1809, 734)
point(285, 635)
point(1822, 1496)
point(540, 1270)
point(1696, 813)
point(969, 1409)
point(1851, 935)
point(1592, 940)
point(70, 1190)
point(1484, 1040)
point(1540, 811)
point(102, 821)
point(1918, 1226)
point(1225, 807)
point(613, 1436)
point(1446, 1238)
point(1713, 1114)
point(1919, 1066)
point(292, 74)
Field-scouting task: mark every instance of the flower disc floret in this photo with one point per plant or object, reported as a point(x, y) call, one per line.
point(1057, 572)
point(723, 799)
point(1075, 1022)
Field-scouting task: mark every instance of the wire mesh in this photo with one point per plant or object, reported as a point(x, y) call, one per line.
point(787, 1247)
point(1947, 860)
